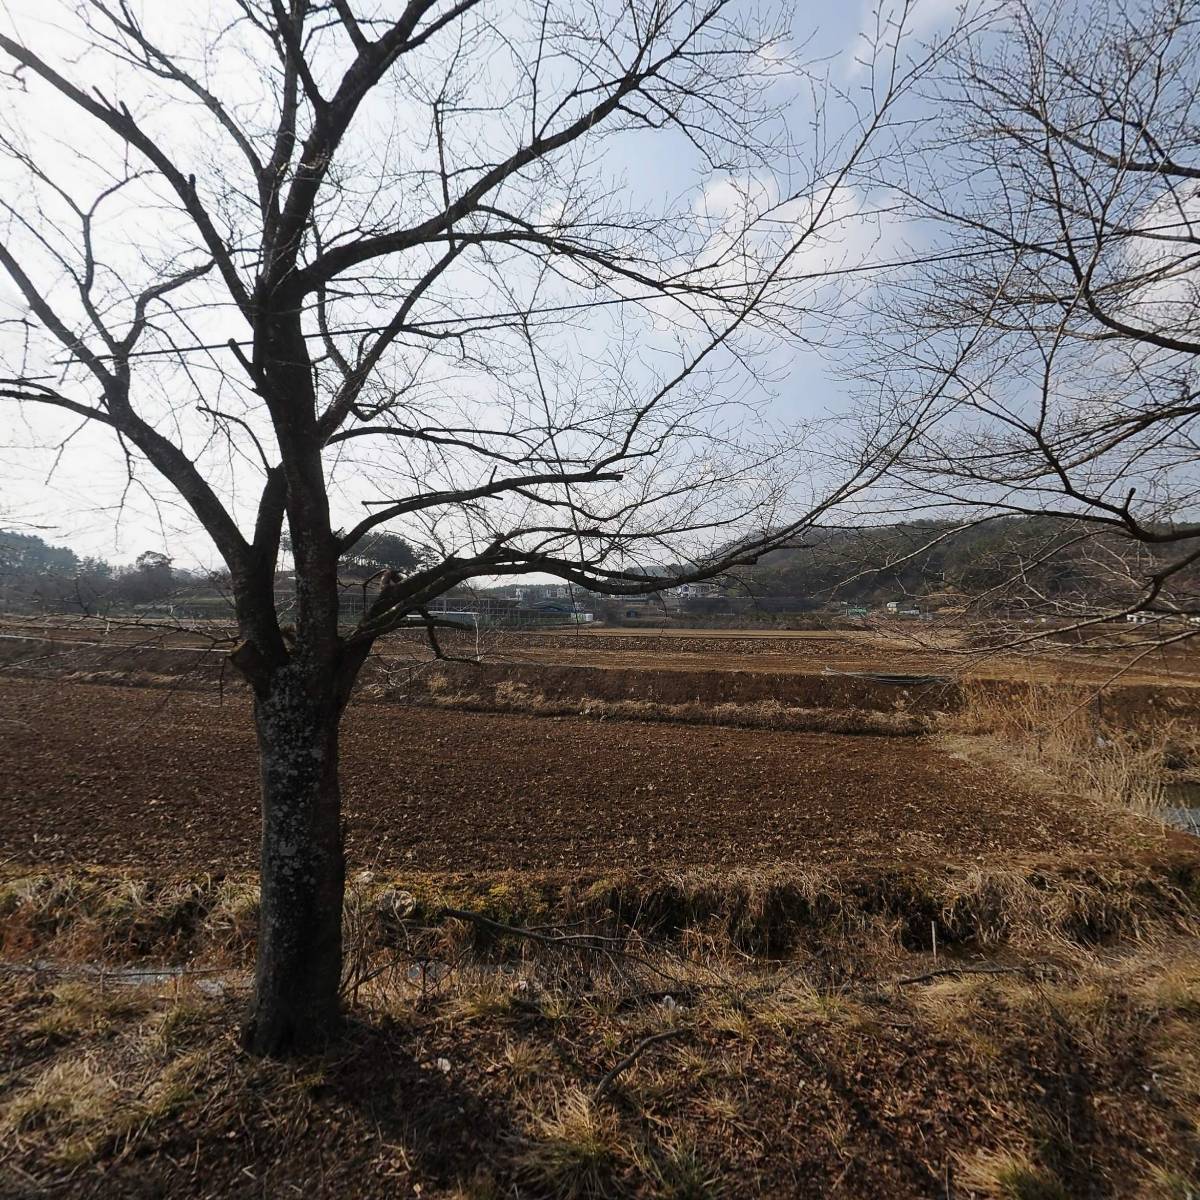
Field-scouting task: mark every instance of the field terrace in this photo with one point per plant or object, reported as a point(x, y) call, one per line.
point(698, 914)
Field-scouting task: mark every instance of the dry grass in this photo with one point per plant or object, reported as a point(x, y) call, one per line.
point(525, 1060)
point(1008, 1175)
point(79, 1009)
point(573, 1150)
point(1166, 1184)
point(680, 1172)
point(691, 915)
point(117, 916)
point(781, 1085)
point(1055, 733)
point(71, 1107)
point(119, 1060)
point(513, 696)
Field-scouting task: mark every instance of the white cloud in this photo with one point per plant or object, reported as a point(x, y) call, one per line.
point(882, 22)
point(1166, 257)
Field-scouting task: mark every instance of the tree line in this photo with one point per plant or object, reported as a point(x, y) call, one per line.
point(37, 576)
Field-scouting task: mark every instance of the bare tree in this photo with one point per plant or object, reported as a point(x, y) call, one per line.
point(312, 259)
point(1055, 307)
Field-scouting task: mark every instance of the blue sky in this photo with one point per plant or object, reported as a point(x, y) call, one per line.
point(79, 496)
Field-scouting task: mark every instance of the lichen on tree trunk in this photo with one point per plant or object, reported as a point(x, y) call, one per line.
point(295, 1006)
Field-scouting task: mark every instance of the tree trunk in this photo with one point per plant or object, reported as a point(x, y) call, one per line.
point(295, 1006)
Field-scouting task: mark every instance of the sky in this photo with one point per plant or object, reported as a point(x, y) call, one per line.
point(75, 490)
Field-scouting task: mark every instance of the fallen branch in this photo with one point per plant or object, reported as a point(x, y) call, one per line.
point(116, 974)
point(609, 1076)
point(581, 941)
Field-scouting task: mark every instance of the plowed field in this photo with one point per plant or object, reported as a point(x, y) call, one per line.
point(152, 777)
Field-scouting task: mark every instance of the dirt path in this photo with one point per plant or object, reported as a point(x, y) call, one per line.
point(127, 776)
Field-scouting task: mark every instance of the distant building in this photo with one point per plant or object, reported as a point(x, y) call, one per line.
point(560, 610)
point(631, 608)
point(694, 591)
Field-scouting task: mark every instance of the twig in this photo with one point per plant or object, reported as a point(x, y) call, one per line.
point(592, 942)
point(962, 971)
point(629, 1059)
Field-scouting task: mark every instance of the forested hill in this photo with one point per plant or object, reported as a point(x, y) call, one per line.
point(1035, 557)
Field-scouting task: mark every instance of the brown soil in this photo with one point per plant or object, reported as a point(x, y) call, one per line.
point(897, 647)
point(937, 652)
point(657, 685)
point(150, 777)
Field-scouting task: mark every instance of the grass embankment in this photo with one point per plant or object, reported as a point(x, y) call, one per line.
point(512, 697)
point(1070, 739)
point(765, 1034)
